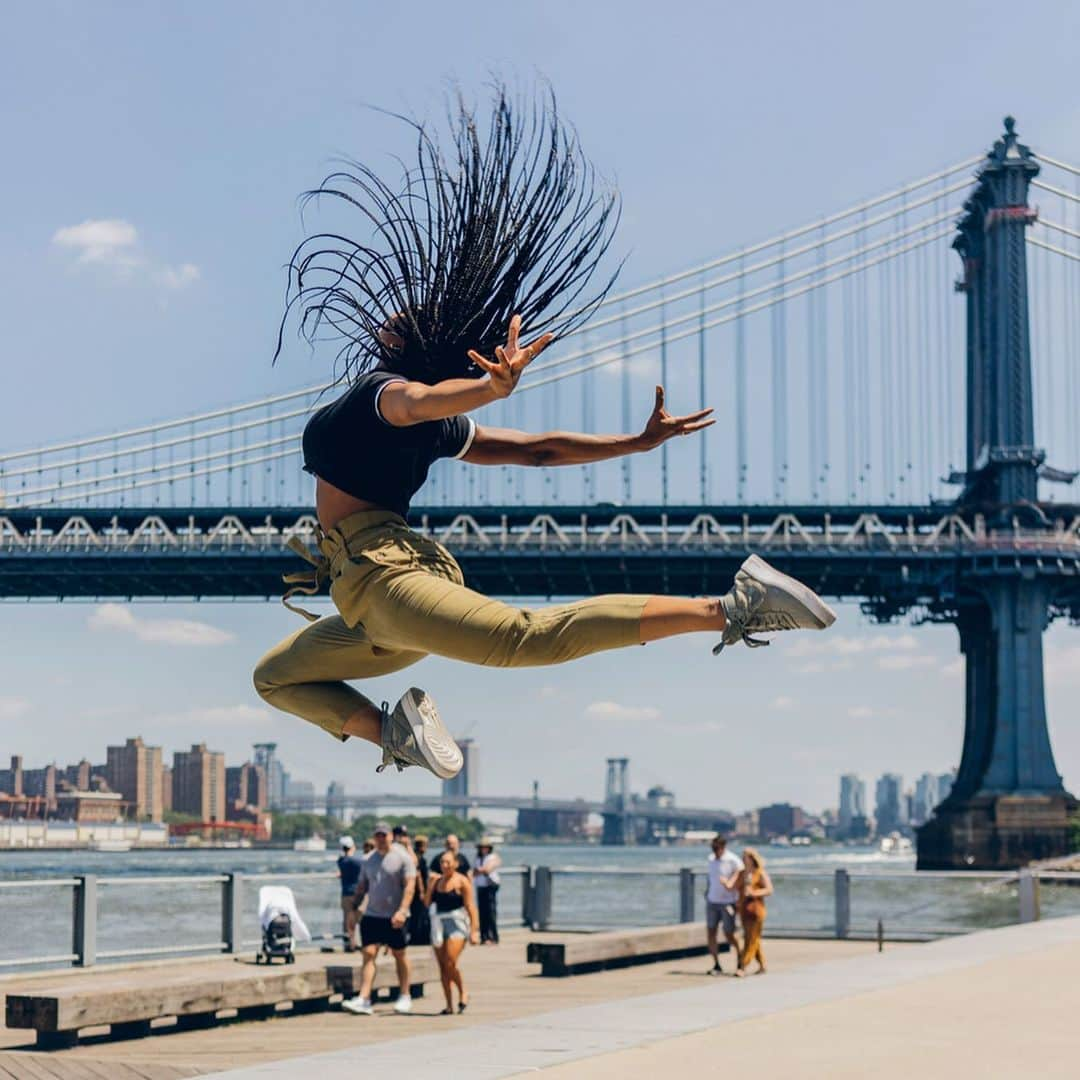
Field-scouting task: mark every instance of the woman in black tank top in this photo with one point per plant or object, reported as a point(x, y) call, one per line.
point(454, 921)
point(489, 230)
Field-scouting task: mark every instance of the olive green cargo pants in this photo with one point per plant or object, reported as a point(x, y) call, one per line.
point(401, 597)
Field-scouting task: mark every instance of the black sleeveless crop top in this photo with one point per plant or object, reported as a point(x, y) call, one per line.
point(448, 901)
point(351, 446)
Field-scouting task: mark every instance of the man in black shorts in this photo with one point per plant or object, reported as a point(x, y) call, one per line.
point(387, 879)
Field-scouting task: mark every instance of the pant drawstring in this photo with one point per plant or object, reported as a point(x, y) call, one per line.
point(307, 582)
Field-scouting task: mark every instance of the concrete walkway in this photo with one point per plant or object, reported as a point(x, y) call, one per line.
point(996, 1003)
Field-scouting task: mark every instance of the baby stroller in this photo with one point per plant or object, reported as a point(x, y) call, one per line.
point(281, 924)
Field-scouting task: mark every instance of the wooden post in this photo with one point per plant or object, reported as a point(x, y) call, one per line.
point(84, 928)
point(232, 921)
point(842, 899)
point(686, 895)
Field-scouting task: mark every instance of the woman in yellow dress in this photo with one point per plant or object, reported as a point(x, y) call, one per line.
point(754, 885)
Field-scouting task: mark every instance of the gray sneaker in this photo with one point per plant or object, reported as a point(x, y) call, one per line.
point(763, 600)
point(413, 734)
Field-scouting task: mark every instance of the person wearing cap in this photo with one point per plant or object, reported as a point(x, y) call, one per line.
point(348, 865)
point(486, 880)
point(388, 880)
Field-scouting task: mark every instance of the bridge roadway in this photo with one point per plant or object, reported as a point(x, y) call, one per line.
point(891, 557)
point(710, 818)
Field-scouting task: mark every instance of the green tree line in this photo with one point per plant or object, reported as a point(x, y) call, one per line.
point(289, 827)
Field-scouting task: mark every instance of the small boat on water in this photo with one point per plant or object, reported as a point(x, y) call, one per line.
point(110, 846)
point(310, 843)
point(895, 844)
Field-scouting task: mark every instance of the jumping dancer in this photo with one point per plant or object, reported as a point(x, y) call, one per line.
point(494, 233)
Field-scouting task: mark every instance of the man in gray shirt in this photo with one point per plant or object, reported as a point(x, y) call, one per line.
point(388, 880)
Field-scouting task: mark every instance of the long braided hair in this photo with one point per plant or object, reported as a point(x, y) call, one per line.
point(511, 219)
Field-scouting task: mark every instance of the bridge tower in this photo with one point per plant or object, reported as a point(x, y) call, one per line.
point(1008, 804)
point(618, 824)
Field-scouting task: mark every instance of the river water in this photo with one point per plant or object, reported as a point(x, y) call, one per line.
point(149, 913)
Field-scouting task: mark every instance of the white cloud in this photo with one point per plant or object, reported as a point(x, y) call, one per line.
point(11, 708)
point(113, 243)
point(839, 645)
point(612, 710)
point(782, 702)
point(215, 716)
point(110, 241)
point(905, 662)
point(118, 618)
point(815, 667)
point(179, 276)
point(860, 712)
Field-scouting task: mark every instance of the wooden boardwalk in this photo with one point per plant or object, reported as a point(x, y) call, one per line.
point(501, 984)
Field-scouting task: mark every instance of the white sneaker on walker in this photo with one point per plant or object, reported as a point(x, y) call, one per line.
point(763, 600)
point(403, 1004)
point(414, 734)
point(358, 1005)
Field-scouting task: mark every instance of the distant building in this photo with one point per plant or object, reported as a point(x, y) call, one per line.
point(41, 784)
point(277, 779)
point(889, 804)
point(852, 803)
point(75, 777)
point(747, 824)
point(134, 770)
point(466, 781)
point(11, 780)
point(945, 782)
point(198, 783)
point(90, 806)
point(166, 789)
point(335, 799)
point(245, 790)
point(925, 797)
point(566, 824)
point(780, 819)
point(659, 798)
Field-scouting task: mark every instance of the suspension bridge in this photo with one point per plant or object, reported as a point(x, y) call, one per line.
point(876, 436)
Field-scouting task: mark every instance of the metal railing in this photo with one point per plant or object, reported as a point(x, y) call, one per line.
point(840, 904)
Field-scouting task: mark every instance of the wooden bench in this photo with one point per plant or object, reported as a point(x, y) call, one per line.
point(194, 992)
point(576, 954)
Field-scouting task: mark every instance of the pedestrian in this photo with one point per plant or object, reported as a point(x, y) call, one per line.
point(388, 880)
point(500, 223)
point(419, 919)
point(754, 885)
point(453, 845)
point(454, 920)
point(720, 899)
point(367, 847)
point(348, 864)
point(486, 879)
point(401, 836)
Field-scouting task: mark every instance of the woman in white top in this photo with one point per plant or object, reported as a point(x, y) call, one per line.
point(486, 880)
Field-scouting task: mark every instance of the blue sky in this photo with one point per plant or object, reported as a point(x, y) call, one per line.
point(193, 128)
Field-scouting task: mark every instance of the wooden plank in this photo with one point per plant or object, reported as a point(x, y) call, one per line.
point(28, 1067)
point(206, 990)
point(345, 978)
point(581, 952)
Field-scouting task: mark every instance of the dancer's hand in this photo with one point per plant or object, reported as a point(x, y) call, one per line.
point(474, 937)
point(662, 426)
point(511, 359)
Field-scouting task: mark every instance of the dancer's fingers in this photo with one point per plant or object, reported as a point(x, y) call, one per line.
point(482, 361)
point(500, 354)
point(659, 406)
point(696, 427)
point(691, 417)
point(512, 335)
point(538, 345)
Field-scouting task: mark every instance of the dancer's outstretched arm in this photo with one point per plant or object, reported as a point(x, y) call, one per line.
point(504, 446)
point(405, 403)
